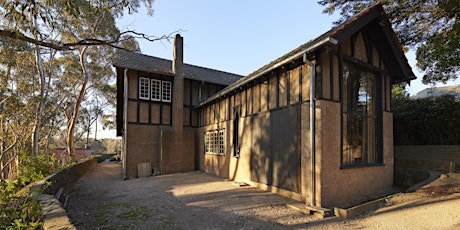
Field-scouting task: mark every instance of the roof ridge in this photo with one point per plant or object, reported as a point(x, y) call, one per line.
point(213, 69)
point(192, 65)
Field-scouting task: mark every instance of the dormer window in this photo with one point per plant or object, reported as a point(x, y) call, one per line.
point(155, 90)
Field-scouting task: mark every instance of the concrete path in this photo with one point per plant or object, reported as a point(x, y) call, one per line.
point(200, 201)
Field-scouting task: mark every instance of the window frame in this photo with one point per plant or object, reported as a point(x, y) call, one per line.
point(153, 89)
point(144, 91)
point(214, 142)
point(365, 122)
point(155, 95)
point(166, 95)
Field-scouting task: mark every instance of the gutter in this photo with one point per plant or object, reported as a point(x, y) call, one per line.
point(297, 55)
point(125, 119)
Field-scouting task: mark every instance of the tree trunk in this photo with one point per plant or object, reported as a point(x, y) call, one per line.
point(42, 98)
point(97, 116)
point(41, 104)
point(3, 135)
point(72, 119)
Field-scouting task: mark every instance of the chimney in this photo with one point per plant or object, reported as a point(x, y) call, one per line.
point(178, 84)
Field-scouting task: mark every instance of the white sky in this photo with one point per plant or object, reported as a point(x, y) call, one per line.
point(236, 36)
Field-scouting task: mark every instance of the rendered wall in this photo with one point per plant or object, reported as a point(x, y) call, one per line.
point(305, 150)
point(216, 164)
point(339, 187)
point(239, 168)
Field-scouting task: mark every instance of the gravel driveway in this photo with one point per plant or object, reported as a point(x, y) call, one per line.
point(195, 200)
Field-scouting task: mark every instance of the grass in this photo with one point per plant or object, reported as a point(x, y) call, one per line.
point(130, 215)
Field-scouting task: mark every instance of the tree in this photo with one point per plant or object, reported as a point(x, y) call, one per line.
point(430, 26)
point(84, 33)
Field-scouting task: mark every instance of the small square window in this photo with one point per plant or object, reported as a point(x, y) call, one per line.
point(144, 88)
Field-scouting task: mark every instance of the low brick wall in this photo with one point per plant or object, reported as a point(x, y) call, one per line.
point(67, 177)
point(54, 195)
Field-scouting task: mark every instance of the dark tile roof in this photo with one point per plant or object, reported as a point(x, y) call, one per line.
point(339, 33)
point(137, 61)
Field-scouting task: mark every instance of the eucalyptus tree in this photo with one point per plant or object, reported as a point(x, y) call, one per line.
point(84, 32)
point(16, 98)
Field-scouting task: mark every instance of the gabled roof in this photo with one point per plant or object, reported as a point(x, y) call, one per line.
point(380, 28)
point(150, 64)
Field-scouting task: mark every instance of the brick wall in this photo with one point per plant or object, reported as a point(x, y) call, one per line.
point(67, 177)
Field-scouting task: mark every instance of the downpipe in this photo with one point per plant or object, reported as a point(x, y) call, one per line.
point(312, 131)
point(125, 119)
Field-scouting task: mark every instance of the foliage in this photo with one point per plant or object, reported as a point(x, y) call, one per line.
point(24, 211)
point(439, 56)
point(426, 121)
point(20, 212)
point(433, 27)
point(399, 90)
point(55, 59)
point(36, 168)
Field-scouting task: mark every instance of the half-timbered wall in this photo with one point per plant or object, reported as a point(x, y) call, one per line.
point(150, 112)
point(266, 104)
point(281, 88)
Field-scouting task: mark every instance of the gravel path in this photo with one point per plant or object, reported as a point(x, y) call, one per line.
point(101, 200)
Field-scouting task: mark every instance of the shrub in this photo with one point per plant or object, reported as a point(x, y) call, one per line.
point(24, 211)
point(20, 212)
point(426, 121)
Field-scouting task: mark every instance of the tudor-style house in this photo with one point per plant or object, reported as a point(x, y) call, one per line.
point(314, 125)
point(155, 109)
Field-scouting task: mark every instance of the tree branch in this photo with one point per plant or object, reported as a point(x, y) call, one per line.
point(22, 37)
point(83, 42)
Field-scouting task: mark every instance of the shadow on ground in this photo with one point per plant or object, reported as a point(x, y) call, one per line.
point(195, 200)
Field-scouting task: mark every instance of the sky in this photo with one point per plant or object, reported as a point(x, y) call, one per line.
point(236, 36)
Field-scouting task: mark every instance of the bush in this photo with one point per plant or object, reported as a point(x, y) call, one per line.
point(426, 121)
point(24, 211)
point(20, 212)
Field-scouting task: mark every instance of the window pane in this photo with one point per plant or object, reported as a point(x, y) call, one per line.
point(359, 116)
point(214, 142)
point(156, 90)
point(166, 91)
point(144, 86)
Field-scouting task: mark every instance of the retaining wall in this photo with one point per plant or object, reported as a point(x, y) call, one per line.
point(54, 195)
